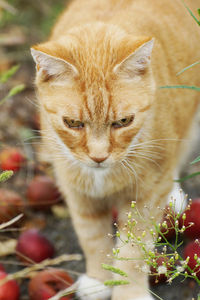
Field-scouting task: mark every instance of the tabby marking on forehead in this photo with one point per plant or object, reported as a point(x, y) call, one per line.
point(97, 103)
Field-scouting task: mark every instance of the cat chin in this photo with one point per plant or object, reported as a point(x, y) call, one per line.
point(90, 169)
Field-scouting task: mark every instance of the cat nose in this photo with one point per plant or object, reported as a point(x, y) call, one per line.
point(98, 159)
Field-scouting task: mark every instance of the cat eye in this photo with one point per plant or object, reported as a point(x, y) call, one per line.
point(123, 122)
point(74, 124)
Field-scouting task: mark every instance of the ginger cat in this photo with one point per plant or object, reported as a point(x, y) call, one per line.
point(112, 134)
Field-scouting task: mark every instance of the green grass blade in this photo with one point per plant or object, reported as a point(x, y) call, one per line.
point(6, 175)
point(196, 160)
point(16, 90)
point(114, 270)
point(190, 87)
point(188, 67)
point(187, 177)
point(116, 282)
point(191, 13)
point(6, 75)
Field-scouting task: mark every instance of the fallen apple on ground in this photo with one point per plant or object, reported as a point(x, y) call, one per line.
point(11, 159)
point(42, 192)
point(33, 247)
point(192, 250)
point(158, 273)
point(192, 216)
point(11, 204)
point(2, 269)
point(48, 283)
point(114, 214)
point(8, 290)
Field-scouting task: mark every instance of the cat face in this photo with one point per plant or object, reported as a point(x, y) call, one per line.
point(95, 103)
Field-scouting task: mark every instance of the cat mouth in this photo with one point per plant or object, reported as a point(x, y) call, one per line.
point(99, 166)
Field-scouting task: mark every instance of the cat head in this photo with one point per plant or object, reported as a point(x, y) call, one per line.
point(96, 88)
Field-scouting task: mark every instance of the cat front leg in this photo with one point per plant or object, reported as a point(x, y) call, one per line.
point(138, 288)
point(92, 222)
point(133, 256)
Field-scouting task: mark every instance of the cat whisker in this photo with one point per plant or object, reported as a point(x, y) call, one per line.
point(139, 166)
point(142, 155)
point(32, 138)
point(154, 142)
point(154, 154)
point(147, 152)
point(133, 171)
point(147, 146)
point(34, 103)
point(129, 175)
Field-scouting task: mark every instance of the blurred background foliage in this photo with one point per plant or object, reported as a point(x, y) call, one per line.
point(22, 24)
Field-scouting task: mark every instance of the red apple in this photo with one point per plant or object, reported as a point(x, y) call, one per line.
point(157, 273)
point(11, 159)
point(114, 214)
point(48, 283)
point(192, 216)
point(35, 122)
point(33, 247)
point(192, 250)
point(11, 204)
point(42, 192)
point(168, 219)
point(2, 269)
point(8, 290)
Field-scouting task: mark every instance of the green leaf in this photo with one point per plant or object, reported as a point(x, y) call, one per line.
point(188, 67)
point(196, 160)
point(196, 88)
point(6, 75)
point(5, 175)
point(191, 13)
point(187, 177)
point(16, 90)
point(115, 282)
point(198, 10)
point(114, 270)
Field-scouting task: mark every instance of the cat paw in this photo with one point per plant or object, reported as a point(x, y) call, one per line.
point(178, 198)
point(92, 289)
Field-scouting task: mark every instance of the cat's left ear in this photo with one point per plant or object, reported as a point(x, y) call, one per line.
point(50, 65)
point(137, 62)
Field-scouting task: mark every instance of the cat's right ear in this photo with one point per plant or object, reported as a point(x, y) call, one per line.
point(136, 63)
point(49, 66)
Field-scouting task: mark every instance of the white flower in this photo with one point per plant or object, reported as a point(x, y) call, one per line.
point(145, 269)
point(162, 270)
point(149, 246)
point(183, 262)
point(180, 269)
point(170, 280)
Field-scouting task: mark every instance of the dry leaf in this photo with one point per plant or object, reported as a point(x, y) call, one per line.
point(60, 211)
point(8, 247)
